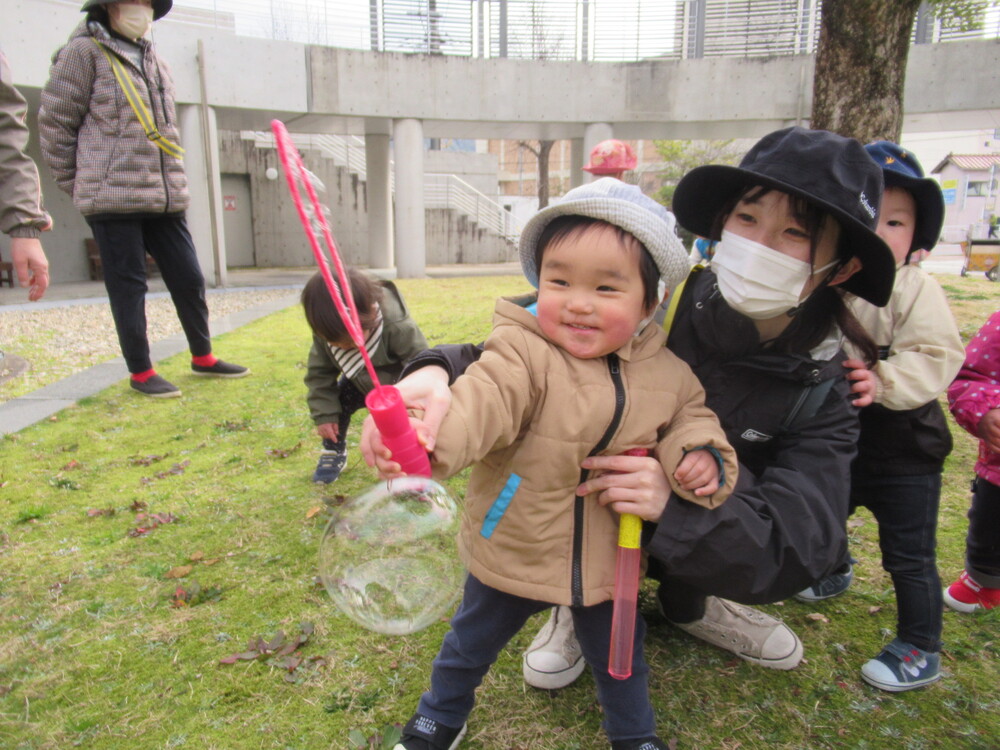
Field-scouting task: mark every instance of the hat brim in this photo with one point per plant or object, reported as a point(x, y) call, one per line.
point(930, 207)
point(703, 192)
point(659, 240)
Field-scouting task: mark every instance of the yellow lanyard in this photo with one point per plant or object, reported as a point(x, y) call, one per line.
point(675, 298)
point(138, 106)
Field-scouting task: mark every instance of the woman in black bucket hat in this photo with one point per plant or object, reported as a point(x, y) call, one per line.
point(762, 330)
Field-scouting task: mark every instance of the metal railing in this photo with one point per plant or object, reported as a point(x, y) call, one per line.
point(440, 190)
point(591, 30)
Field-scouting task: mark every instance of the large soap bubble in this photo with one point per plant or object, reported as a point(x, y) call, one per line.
point(388, 557)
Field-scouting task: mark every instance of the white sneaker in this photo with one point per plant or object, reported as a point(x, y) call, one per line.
point(554, 659)
point(747, 632)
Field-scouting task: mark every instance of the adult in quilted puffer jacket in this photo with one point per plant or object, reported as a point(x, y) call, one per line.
point(127, 177)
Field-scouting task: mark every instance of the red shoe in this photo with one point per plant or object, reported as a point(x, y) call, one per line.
point(965, 595)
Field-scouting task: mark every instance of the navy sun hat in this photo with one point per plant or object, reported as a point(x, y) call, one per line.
point(828, 170)
point(901, 169)
point(160, 7)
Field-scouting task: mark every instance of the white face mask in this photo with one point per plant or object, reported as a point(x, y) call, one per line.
point(133, 21)
point(757, 281)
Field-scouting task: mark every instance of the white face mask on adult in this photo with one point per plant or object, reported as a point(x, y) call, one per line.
point(757, 281)
point(132, 21)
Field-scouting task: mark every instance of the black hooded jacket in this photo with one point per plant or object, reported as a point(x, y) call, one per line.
point(795, 431)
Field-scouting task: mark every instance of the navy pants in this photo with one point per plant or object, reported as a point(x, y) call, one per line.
point(982, 545)
point(351, 400)
point(485, 622)
point(123, 244)
point(906, 509)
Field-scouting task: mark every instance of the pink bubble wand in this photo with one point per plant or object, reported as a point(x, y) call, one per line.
point(384, 402)
point(627, 566)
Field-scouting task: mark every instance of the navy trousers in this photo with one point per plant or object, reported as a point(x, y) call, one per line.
point(982, 545)
point(485, 622)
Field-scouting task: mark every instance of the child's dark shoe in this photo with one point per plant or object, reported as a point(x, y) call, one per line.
point(902, 666)
point(646, 743)
point(833, 585)
point(331, 463)
point(423, 733)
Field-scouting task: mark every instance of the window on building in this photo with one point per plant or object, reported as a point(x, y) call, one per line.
point(977, 188)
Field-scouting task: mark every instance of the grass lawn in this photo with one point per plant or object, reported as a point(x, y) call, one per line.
point(143, 542)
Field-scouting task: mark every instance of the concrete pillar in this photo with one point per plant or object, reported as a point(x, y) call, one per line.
point(593, 134)
point(380, 240)
point(204, 216)
point(408, 155)
point(577, 158)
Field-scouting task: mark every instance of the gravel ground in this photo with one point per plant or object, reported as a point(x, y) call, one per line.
point(60, 341)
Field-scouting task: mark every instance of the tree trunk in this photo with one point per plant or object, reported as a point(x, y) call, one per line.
point(544, 149)
point(861, 67)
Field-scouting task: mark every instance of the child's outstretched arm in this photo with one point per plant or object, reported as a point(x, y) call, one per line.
point(698, 472)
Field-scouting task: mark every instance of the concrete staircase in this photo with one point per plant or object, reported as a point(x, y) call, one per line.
point(462, 224)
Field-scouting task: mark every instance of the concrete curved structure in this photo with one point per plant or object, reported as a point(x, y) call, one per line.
point(233, 83)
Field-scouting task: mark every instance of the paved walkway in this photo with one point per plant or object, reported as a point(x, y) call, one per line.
point(33, 407)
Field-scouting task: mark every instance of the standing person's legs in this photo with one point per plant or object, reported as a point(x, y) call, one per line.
point(982, 545)
point(906, 509)
point(628, 714)
point(979, 585)
point(168, 240)
point(123, 261)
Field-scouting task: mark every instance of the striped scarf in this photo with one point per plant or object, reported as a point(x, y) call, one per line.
point(350, 361)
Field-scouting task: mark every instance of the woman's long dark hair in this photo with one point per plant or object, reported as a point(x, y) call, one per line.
point(813, 319)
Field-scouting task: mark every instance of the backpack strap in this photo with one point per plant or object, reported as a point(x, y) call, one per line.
point(139, 106)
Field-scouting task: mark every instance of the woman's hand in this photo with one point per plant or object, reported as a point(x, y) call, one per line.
point(629, 484)
point(425, 390)
point(863, 383)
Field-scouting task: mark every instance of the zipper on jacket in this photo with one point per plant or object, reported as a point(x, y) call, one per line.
point(576, 584)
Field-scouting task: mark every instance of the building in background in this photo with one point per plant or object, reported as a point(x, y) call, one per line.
point(970, 183)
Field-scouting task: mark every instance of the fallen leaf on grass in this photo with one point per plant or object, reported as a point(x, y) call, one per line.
point(855, 523)
point(174, 470)
point(179, 572)
point(279, 649)
point(153, 520)
point(314, 511)
point(145, 460)
point(74, 464)
point(873, 609)
point(93, 512)
point(283, 452)
point(194, 595)
point(818, 617)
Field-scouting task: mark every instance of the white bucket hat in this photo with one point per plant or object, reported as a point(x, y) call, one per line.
point(624, 206)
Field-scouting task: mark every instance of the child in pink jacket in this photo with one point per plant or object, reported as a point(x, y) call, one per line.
point(974, 399)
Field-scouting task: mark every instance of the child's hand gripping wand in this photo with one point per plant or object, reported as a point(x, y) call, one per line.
point(627, 566)
point(385, 403)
